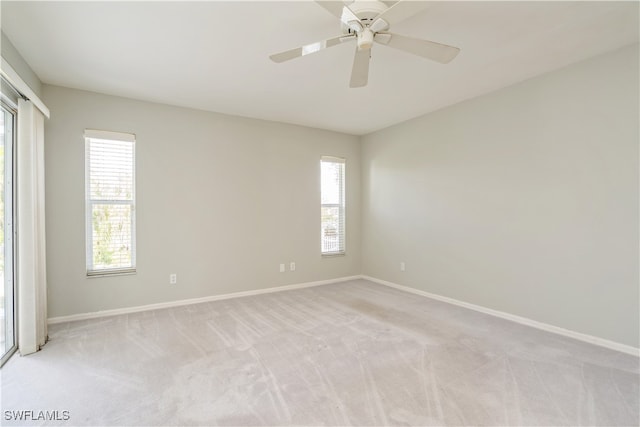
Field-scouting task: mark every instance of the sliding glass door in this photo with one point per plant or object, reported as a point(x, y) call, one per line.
point(7, 290)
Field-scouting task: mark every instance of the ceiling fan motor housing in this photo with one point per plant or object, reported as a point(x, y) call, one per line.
point(366, 10)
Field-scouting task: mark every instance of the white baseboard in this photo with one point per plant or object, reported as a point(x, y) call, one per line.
point(127, 310)
point(518, 319)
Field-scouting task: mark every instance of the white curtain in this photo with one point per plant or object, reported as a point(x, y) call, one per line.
point(31, 261)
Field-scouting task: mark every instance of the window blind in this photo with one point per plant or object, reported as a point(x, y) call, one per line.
point(110, 199)
point(332, 210)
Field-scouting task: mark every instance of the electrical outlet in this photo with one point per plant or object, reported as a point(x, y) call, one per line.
point(292, 266)
point(402, 266)
point(282, 269)
point(173, 279)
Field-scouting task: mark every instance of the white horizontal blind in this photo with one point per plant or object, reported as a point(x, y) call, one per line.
point(332, 210)
point(110, 202)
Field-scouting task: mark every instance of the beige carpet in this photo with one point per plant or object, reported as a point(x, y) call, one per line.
point(354, 353)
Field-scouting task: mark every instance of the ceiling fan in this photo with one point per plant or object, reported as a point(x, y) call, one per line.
point(366, 21)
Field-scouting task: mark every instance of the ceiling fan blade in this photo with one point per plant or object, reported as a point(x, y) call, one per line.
point(427, 49)
point(360, 70)
point(343, 13)
point(310, 48)
point(397, 13)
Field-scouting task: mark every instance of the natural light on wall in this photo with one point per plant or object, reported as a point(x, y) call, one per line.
point(110, 202)
point(332, 211)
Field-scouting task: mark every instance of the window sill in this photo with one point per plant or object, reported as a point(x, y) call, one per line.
point(333, 254)
point(108, 273)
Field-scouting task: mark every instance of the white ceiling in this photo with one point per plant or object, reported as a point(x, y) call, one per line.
point(214, 55)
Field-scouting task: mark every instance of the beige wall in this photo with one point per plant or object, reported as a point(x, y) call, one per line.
point(524, 200)
point(221, 201)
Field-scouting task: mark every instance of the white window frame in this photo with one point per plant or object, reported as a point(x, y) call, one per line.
point(11, 291)
point(90, 134)
point(342, 234)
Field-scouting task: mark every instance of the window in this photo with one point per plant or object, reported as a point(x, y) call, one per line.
point(332, 205)
point(110, 202)
point(7, 287)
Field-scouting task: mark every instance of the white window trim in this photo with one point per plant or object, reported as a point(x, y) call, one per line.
point(107, 134)
point(341, 207)
point(114, 136)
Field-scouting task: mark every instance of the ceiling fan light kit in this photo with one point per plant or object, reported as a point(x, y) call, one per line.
point(365, 39)
point(367, 21)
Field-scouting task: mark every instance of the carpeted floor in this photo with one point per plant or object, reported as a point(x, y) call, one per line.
point(354, 353)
